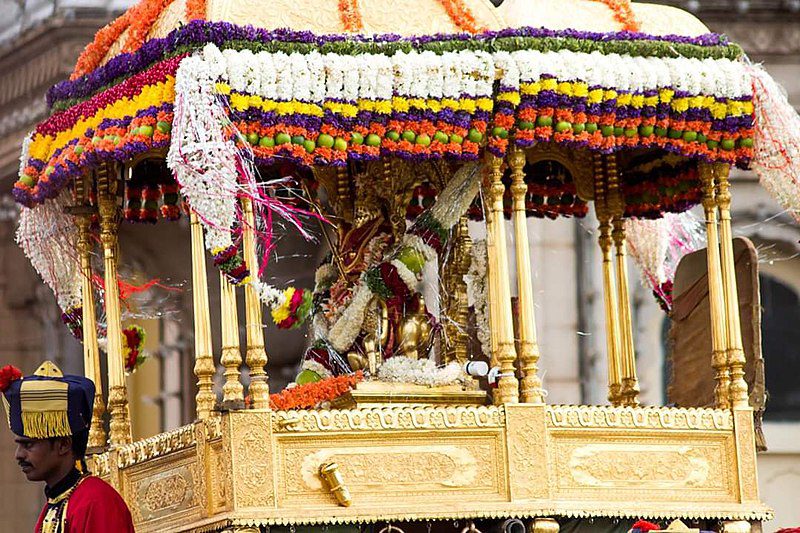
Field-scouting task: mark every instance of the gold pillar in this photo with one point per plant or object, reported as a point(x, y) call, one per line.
point(609, 290)
point(531, 385)
point(716, 300)
point(109, 222)
point(231, 359)
point(91, 351)
point(500, 302)
point(491, 289)
point(454, 295)
point(203, 356)
point(736, 360)
point(629, 382)
point(256, 355)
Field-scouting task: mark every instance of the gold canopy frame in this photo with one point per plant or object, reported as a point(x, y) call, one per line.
point(243, 468)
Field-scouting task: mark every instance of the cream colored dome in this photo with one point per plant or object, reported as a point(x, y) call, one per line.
point(422, 17)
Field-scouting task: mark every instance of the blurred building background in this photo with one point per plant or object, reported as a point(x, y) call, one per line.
point(39, 42)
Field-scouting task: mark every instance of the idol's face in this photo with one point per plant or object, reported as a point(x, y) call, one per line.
point(38, 458)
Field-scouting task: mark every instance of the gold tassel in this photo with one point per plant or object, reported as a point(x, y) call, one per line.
point(45, 424)
point(7, 409)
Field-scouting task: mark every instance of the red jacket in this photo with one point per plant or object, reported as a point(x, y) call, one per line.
point(94, 507)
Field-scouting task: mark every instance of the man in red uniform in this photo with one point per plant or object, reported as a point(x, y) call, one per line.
point(50, 414)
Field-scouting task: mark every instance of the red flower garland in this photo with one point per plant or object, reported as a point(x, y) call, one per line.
point(8, 375)
point(312, 394)
point(134, 339)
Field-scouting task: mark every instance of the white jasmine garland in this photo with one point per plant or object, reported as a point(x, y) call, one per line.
point(415, 242)
point(201, 158)
point(385, 76)
point(478, 292)
point(326, 273)
point(451, 68)
point(315, 366)
point(343, 333)
point(402, 64)
point(283, 77)
point(351, 79)
point(408, 277)
point(368, 79)
point(270, 296)
point(334, 75)
point(401, 369)
point(301, 78)
point(316, 73)
point(26, 153)
point(48, 237)
point(268, 77)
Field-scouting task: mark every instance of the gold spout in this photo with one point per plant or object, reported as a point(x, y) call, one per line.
point(330, 473)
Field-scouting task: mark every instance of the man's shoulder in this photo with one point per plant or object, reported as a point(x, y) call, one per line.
point(93, 487)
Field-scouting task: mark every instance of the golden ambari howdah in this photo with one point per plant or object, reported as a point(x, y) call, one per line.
point(422, 129)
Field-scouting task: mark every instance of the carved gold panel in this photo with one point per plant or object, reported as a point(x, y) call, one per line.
point(406, 468)
point(527, 451)
point(164, 491)
point(746, 455)
point(642, 467)
point(250, 437)
point(219, 464)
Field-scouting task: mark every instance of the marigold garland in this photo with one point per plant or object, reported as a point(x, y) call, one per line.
point(350, 15)
point(312, 394)
point(461, 16)
point(96, 51)
point(195, 10)
point(143, 15)
point(622, 13)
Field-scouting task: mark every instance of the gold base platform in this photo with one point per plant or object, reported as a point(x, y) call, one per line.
point(248, 468)
point(380, 394)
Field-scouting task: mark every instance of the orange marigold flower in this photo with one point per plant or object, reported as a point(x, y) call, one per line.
point(312, 394)
point(96, 51)
point(350, 15)
point(195, 10)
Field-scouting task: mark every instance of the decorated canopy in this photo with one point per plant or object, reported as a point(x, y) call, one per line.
point(224, 87)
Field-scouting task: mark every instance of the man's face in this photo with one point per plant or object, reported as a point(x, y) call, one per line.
point(39, 458)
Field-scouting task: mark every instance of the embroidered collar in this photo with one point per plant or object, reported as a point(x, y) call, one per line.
point(63, 487)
